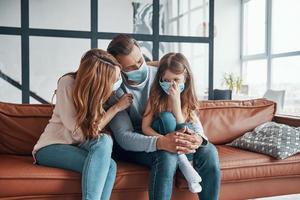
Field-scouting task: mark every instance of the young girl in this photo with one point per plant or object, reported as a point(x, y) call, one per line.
point(172, 105)
point(74, 138)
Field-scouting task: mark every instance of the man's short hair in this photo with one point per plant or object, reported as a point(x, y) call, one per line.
point(121, 45)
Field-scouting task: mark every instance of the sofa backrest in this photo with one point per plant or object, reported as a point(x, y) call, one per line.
point(225, 120)
point(22, 124)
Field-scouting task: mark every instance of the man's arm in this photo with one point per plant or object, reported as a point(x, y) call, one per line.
point(122, 129)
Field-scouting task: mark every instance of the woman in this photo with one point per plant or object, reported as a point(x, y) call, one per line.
point(74, 138)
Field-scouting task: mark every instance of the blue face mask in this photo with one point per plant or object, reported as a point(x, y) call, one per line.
point(117, 84)
point(166, 86)
point(138, 75)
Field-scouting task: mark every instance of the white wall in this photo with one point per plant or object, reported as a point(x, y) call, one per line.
point(227, 40)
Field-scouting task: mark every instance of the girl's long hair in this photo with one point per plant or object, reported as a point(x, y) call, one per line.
point(94, 81)
point(177, 64)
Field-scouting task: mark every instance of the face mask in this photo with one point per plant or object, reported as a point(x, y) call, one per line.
point(166, 86)
point(138, 75)
point(117, 84)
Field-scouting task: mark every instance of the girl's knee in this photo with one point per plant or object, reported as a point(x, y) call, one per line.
point(166, 116)
point(167, 122)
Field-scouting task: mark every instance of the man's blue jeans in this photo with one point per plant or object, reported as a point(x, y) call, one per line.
point(92, 159)
point(163, 165)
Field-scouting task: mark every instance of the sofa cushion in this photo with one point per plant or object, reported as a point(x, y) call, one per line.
point(238, 165)
point(20, 177)
point(277, 140)
point(224, 121)
point(21, 125)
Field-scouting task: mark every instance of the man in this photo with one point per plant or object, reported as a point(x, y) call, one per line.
point(158, 153)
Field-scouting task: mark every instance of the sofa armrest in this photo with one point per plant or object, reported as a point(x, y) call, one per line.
point(286, 119)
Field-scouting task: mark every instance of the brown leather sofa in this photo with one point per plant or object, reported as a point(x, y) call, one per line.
point(244, 174)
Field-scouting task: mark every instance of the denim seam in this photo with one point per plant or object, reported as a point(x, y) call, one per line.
point(87, 165)
point(154, 175)
point(163, 125)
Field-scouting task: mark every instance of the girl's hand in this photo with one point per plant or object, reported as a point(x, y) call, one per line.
point(174, 94)
point(124, 102)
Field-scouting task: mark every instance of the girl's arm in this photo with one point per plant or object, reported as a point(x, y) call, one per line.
point(177, 111)
point(147, 121)
point(122, 104)
point(176, 103)
point(196, 127)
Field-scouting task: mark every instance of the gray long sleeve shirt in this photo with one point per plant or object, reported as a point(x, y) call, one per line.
point(126, 125)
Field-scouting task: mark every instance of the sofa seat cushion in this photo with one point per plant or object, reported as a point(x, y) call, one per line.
point(20, 177)
point(240, 166)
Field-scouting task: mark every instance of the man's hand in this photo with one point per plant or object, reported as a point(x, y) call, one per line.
point(167, 142)
point(193, 137)
point(183, 141)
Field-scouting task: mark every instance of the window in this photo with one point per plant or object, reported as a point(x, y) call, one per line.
point(285, 75)
point(285, 28)
point(271, 49)
point(254, 27)
point(136, 16)
point(197, 56)
point(49, 61)
point(60, 14)
point(187, 18)
point(10, 13)
point(257, 82)
point(10, 68)
point(42, 40)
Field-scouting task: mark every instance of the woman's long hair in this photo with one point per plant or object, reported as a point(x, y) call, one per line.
point(94, 81)
point(177, 64)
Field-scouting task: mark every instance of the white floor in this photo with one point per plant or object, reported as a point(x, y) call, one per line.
point(285, 197)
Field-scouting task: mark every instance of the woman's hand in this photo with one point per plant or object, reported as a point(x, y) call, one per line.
point(124, 102)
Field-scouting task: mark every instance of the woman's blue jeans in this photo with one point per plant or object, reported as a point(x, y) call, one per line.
point(163, 164)
point(92, 159)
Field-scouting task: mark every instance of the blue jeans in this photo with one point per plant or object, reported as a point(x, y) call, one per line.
point(92, 159)
point(163, 165)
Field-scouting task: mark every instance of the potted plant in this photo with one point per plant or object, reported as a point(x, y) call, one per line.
point(232, 82)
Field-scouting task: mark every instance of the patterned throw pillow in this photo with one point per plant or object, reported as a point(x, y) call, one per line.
point(277, 140)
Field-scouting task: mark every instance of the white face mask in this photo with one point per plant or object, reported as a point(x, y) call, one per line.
point(167, 85)
point(117, 84)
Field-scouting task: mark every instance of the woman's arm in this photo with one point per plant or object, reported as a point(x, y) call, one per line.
point(122, 104)
point(147, 121)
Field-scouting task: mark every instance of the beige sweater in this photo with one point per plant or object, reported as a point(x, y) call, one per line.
point(61, 128)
